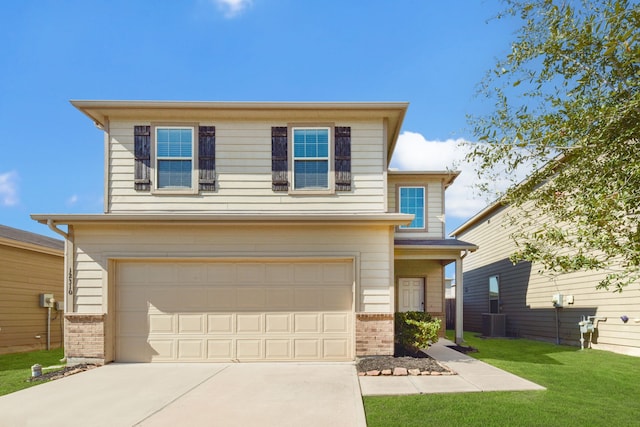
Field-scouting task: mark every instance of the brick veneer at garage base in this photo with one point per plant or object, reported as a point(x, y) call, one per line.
point(84, 339)
point(374, 334)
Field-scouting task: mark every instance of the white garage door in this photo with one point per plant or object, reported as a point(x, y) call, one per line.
point(225, 311)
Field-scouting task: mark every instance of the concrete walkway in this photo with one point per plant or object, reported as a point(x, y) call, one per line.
point(472, 376)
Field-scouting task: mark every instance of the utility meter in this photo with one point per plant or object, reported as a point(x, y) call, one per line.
point(46, 300)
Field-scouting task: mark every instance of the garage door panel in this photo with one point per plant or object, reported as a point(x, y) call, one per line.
point(251, 298)
point(133, 298)
point(277, 349)
point(220, 349)
point(335, 323)
point(132, 324)
point(220, 323)
point(162, 324)
point(162, 350)
point(191, 349)
point(248, 323)
point(162, 298)
point(191, 273)
point(307, 273)
point(337, 298)
point(280, 298)
point(337, 273)
point(163, 274)
point(306, 323)
point(225, 311)
point(191, 323)
point(250, 273)
point(307, 298)
point(221, 298)
point(132, 349)
point(192, 298)
point(278, 274)
point(277, 323)
point(335, 349)
point(221, 273)
point(249, 349)
point(307, 349)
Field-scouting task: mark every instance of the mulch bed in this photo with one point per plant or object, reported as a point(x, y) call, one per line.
point(462, 349)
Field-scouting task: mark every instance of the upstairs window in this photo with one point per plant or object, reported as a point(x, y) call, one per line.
point(411, 201)
point(311, 158)
point(174, 157)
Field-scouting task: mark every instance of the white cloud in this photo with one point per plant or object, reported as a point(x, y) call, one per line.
point(9, 188)
point(232, 8)
point(72, 200)
point(414, 152)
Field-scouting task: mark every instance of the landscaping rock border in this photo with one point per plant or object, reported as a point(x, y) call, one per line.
point(400, 366)
point(64, 372)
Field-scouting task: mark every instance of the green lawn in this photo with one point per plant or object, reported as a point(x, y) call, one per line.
point(15, 368)
point(584, 388)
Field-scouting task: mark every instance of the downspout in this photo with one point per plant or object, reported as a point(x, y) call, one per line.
point(68, 279)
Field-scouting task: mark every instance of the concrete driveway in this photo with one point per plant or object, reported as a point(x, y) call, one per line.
point(265, 394)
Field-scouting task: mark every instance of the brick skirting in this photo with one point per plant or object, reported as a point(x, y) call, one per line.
point(84, 340)
point(374, 334)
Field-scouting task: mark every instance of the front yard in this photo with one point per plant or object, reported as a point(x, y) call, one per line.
point(584, 388)
point(15, 368)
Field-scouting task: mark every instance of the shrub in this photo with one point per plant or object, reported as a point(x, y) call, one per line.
point(416, 330)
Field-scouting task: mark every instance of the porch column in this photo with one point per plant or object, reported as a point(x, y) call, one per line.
point(459, 302)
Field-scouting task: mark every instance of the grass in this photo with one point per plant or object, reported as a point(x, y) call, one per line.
point(15, 368)
point(584, 388)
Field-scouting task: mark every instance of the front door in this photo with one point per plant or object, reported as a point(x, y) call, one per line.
point(411, 294)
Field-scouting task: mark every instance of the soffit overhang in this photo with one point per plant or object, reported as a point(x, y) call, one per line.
point(100, 112)
point(241, 218)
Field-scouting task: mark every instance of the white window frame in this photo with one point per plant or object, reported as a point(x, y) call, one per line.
point(329, 189)
point(193, 189)
point(424, 207)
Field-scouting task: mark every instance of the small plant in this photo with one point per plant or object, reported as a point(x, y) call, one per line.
point(416, 330)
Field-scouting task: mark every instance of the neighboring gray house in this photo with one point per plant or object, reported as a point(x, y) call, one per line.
point(534, 305)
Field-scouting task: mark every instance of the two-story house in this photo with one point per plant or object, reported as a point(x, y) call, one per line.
point(251, 231)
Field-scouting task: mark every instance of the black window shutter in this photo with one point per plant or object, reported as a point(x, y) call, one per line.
point(142, 156)
point(207, 158)
point(279, 159)
point(343, 158)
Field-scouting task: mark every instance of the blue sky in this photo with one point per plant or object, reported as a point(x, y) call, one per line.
point(430, 53)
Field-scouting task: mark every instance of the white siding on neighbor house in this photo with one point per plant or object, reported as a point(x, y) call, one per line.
point(243, 169)
point(368, 245)
point(434, 193)
point(526, 295)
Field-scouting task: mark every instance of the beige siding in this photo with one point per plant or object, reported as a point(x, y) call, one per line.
point(368, 245)
point(434, 193)
point(24, 275)
point(243, 168)
point(526, 295)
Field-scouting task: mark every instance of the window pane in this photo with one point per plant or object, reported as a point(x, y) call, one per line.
point(174, 174)
point(174, 142)
point(494, 294)
point(311, 142)
point(311, 174)
point(412, 202)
